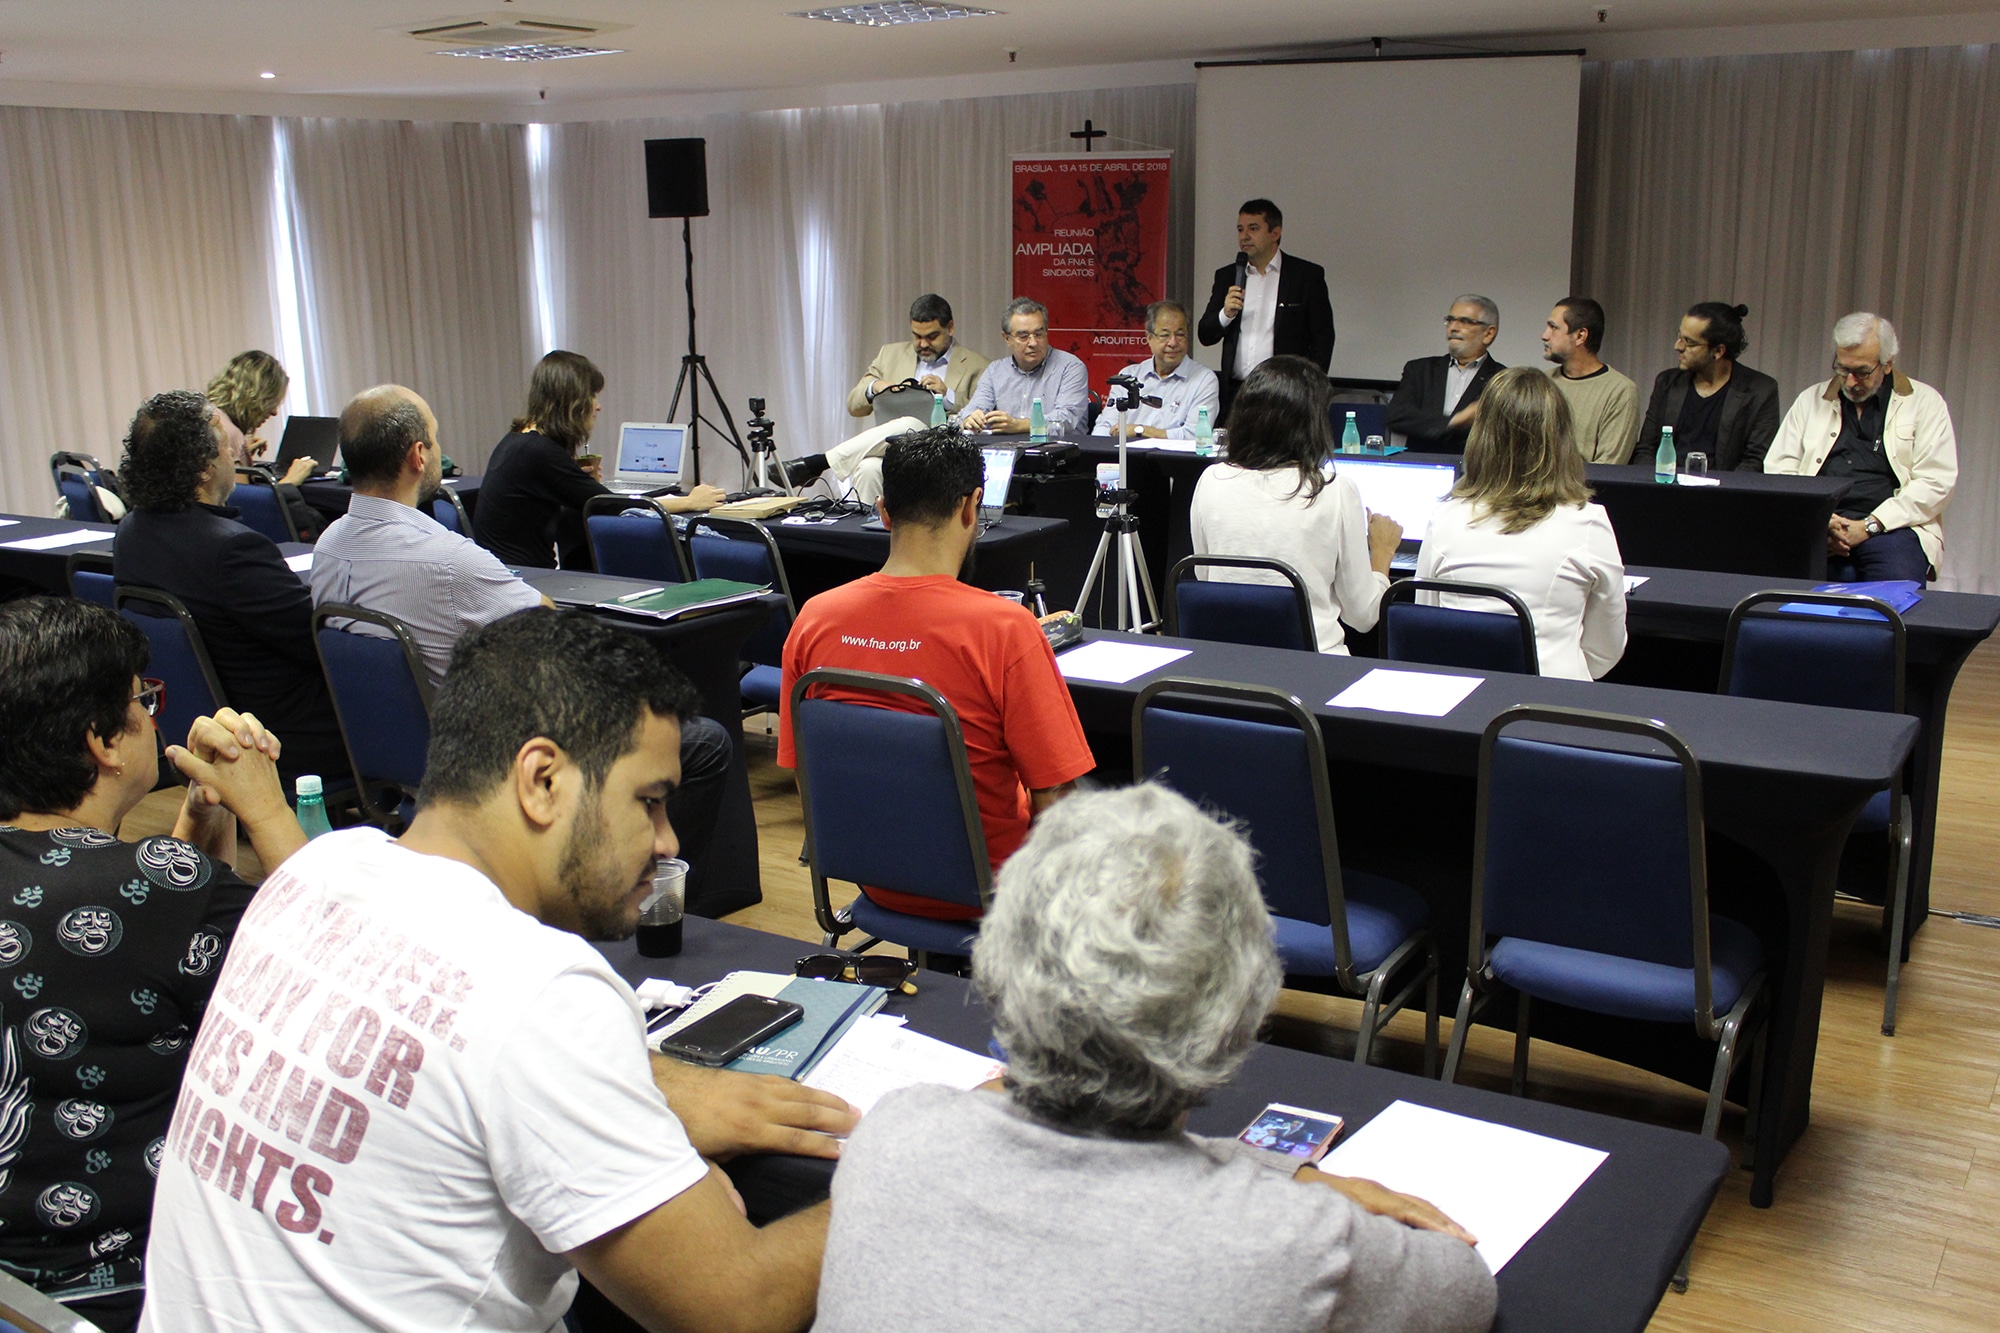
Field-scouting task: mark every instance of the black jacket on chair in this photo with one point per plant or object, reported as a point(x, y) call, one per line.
point(1749, 418)
point(1304, 324)
point(1419, 412)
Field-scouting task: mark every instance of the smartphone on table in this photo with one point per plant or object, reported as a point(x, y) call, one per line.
point(732, 1030)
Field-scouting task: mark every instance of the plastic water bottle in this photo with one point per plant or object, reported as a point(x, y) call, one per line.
point(1350, 436)
point(312, 806)
point(1038, 424)
point(937, 409)
point(1204, 433)
point(1665, 461)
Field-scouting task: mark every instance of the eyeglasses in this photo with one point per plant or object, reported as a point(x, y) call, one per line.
point(1690, 344)
point(1177, 336)
point(152, 695)
point(1856, 373)
point(1451, 321)
point(1029, 336)
point(868, 969)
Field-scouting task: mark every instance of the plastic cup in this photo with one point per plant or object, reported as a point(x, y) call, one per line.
point(1374, 444)
point(1018, 599)
point(1695, 465)
point(659, 934)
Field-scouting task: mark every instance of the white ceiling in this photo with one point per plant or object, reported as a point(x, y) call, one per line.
point(216, 49)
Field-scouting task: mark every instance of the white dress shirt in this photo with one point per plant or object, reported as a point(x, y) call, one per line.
point(1457, 379)
point(1181, 394)
point(1260, 316)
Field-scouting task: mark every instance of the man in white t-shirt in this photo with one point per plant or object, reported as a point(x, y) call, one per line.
point(420, 1100)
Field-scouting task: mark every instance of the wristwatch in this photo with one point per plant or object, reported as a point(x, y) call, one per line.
point(1873, 524)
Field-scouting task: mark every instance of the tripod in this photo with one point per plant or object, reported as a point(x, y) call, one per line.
point(694, 373)
point(763, 445)
point(1129, 579)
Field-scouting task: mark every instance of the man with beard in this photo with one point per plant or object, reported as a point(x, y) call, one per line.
point(1892, 437)
point(985, 654)
point(420, 1099)
point(1438, 399)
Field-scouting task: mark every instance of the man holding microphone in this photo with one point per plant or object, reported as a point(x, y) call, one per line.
point(1266, 304)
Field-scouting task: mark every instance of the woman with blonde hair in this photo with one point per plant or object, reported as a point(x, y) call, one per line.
point(248, 391)
point(1521, 518)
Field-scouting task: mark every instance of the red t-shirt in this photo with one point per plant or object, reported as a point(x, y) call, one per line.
point(987, 656)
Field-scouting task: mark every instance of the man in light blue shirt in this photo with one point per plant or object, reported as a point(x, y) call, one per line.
point(1004, 400)
point(1182, 386)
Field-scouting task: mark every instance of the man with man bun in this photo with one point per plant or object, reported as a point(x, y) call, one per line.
point(1716, 406)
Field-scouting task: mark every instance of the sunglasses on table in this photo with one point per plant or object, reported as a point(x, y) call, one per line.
point(867, 969)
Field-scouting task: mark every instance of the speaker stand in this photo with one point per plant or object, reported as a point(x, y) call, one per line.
point(694, 373)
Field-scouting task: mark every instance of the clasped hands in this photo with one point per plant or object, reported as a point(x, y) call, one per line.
point(1844, 534)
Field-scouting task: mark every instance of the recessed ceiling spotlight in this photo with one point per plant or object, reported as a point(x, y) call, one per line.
point(531, 51)
point(892, 12)
point(267, 74)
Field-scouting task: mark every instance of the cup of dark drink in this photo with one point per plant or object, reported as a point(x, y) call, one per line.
point(659, 934)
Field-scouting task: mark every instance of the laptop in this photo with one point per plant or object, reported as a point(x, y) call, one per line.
point(317, 437)
point(1406, 492)
point(999, 476)
point(649, 457)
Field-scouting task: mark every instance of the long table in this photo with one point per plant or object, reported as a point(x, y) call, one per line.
point(819, 556)
point(1601, 1263)
point(48, 571)
point(1782, 785)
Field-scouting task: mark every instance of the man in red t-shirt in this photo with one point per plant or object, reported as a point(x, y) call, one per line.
point(984, 654)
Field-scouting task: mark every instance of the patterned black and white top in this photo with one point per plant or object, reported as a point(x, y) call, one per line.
point(108, 952)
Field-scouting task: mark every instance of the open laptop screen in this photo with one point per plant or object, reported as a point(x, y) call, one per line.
point(315, 437)
point(999, 476)
point(1406, 492)
point(649, 453)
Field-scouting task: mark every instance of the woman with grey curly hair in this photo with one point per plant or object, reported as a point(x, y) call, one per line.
point(1128, 963)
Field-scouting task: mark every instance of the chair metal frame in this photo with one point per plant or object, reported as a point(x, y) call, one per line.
point(1896, 904)
point(458, 508)
point(834, 923)
point(1406, 590)
point(747, 530)
point(321, 617)
point(93, 562)
point(1366, 986)
point(21, 1306)
point(127, 593)
point(259, 475)
point(1196, 562)
point(64, 463)
point(615, 505)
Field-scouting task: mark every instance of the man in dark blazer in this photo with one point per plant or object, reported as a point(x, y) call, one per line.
point(1438, 400)
point(1716, 407)
point(1266, 304)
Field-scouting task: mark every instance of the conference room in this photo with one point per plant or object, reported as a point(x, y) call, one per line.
point(617, 279)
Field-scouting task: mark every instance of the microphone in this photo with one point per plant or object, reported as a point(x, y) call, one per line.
point(1242, 269)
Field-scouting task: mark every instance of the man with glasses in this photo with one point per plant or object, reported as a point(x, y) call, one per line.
point(1182, 386)
point(930, 357)
point(1004, 401)
point(1438, 400)
point(1603, 404)
point(1716, 406)
point(1892, 437)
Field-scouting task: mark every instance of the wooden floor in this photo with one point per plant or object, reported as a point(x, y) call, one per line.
point(1888, 1212)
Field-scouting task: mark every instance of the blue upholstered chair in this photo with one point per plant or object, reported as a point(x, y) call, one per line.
point(634, 539)
point(90, 578)
point(1256, 755)
point(260, 507)
point(1852, 659)
point(382, 699)
point(178, 657)
point(1452, 636)
point(857, 760)
point(76, 477)
point(1263, 614)
point(736, 548)
point(449, 511)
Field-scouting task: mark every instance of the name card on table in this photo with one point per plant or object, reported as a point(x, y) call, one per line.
point(56, 540)
point(1424, 693)
point(1115, 663)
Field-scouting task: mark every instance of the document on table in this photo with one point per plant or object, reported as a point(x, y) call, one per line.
point(1634, 580)
point(56, 540)
point(1425, 693)
point(1115, 663)
point(879, 1055)
point(1501, 1184)
point(299, 563)
point(8, 522)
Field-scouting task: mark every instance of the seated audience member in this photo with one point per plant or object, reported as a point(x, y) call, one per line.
point(113, 948)
point(248, 391)
point(1715, 405)
point(254, 614)
point(1004, 401)
point(531, 500)
point(1438, 398)
point(1521, 518)
point(490, 1123)
point(1274, 499)
point(985, 654)
point(389, 555)
point(931, 357)
point(1892, 436)
point(1127, 964)
point(1603, 404)
point(1183, 386)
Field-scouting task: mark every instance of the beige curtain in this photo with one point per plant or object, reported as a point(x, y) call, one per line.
point(1806, 186)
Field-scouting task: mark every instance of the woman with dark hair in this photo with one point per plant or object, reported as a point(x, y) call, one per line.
point(531, 501)
point(1281, 497)
point(248, 391)
point(111, 947)
point(1521, 518)
point(1715, 405)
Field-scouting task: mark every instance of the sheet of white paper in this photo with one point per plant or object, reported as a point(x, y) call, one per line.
point(299, 563)
point(1115, 663)
point(1685, 479)
point(8, 522)
point(1634, 580)
point(1169, 446)
point(1499, 1183)
point(876, 1057)
point(1425, 693)
point(56, 540)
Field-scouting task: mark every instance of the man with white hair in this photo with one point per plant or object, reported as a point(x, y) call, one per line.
point(1438, 399)
point(1892, 437)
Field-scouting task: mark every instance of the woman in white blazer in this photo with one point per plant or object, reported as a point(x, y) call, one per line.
point(1521, 518)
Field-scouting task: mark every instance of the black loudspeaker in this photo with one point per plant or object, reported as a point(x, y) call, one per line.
point(677, 178)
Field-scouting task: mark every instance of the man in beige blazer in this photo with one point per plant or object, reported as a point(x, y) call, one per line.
point(930, 357)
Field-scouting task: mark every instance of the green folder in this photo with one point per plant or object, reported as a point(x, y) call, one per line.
point(677, 599)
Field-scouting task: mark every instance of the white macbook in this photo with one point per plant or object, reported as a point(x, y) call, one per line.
point(1406, 492)
point(999, 476)
point(649, 456)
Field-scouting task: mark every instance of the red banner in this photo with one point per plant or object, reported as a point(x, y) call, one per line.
point(1090, 243)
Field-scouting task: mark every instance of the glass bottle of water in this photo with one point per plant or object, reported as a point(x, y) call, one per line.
point(1038, 424)
point(1665, 461)
point(312, 806)
point(1204, 433)
point(1350, 436)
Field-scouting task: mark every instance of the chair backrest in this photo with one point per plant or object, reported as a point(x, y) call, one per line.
point(1832, 661)
point(736, 548)
point(1264, 614)
point(1448, 636)
point(381, 696)
point(178, 657)
point(261, 508)
point(90, 577)
point(79, 495)
point(449, 511)
point(1255, 754)
point(905, 753)
point(1545, 869)
point(634, 539)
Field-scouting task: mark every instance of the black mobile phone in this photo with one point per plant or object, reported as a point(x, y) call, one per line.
point(732, 1029)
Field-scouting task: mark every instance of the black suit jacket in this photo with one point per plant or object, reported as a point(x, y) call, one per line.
point(1742, 437)
point(1419, 411)
point(1304, 325)
point(255, 617)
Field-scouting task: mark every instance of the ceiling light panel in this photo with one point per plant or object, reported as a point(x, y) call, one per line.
point(531, 51)
point(894, 12)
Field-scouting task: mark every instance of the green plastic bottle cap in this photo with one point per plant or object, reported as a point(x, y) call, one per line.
point(309, 785)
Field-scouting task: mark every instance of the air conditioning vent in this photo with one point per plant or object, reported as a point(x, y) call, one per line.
point(475, 32)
